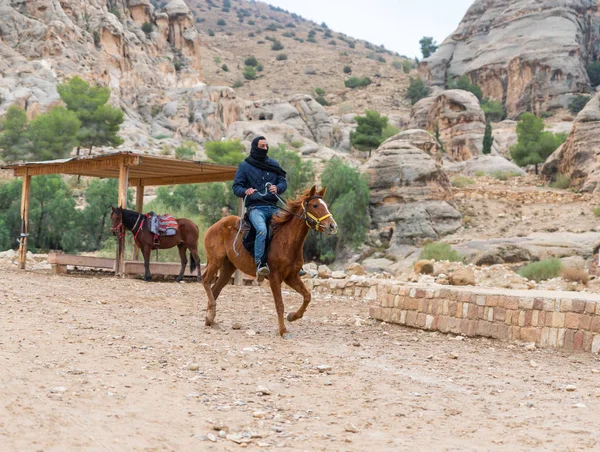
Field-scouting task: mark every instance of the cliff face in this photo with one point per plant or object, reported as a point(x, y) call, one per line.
point(45, 42)
point(529, 54)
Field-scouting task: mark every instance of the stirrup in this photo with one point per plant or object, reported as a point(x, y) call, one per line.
point(262, 271)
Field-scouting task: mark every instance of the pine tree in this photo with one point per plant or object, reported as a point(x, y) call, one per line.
point(488, 139)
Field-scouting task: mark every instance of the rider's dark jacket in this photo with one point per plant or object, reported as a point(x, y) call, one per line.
point(249, 176)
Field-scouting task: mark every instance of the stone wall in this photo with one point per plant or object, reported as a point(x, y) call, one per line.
point(563, 320)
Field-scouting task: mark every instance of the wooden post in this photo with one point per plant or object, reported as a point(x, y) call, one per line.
point(123, 179)
point(25, 194)
point(139, 206)
point(238, 279)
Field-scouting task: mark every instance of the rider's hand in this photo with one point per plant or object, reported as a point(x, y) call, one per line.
point(273, 189)
point(250, 191)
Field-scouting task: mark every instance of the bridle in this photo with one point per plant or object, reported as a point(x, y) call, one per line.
point(119, 230)
point(311, 220)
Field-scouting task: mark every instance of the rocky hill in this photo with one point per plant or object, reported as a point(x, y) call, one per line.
point(531, 55)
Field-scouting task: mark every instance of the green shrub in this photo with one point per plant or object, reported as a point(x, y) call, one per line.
point(596, 211)
point(229, 152)
point(563, 181)
point(251, 61)
point(277, 45)
point(96, 38)
point(494, 111)
point(211, 32)
point(322, 101)
point(225, 68)
point(297, 144)
point(184, 152)
point(439, 251)
point(369, 132)
point(577, 103)
point(542, 270)
point(221, 23)
point(281, 57)
point(388, 132)
point(237, 84)
point(147, 28)
point(332, 42)
point(356, 82)
point(462, 181)
point(416, 90)
point(161, 136)
point(504, 175)
point(217, 60)
point(464, 83)
point(259, 67)
point(397, 64)
point(249, 73)
point(319, 91)
point(593, 71)
point(347, 70)
point(407, 65)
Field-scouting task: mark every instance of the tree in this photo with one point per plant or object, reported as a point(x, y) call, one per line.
point(348, 199)
point(369, 133)
point(534, 145)
point(300, 174)
point(251, 61)
point(428, 46)
point(13, 139)
point(229, 152)
point(100, 122)
point(147, 28)
point(100, 195)
point(488, 139)
point(347, 70)
point(53, 135)
point(416, 90)
point(464, 83)
point(250, 73)
point(438, 138)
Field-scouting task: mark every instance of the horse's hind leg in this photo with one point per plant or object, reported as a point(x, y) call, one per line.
point(211, 307)
point(146, 253)
point(296, 283)
point(184, 261)
point(196, 259)
point(225, 272)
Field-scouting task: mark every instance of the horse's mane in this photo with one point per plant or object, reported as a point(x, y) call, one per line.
point(292, 207)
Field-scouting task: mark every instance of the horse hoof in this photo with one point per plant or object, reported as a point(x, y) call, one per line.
point(178, 279)
point(291, 317)
point(287, 335)
point(148, 279)
point(208, 322)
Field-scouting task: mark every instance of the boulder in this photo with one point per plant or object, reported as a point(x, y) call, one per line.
point(338, 274)
point(324, 272)
point(462, 277)
point(409, 194)
point(488, 164)
point(421, 139)
point(579, 156)
point(530, 55)
point(423, 267)
point(355, 269)
point(457, 116)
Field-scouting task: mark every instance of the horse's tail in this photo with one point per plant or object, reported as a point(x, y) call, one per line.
point(192, 263)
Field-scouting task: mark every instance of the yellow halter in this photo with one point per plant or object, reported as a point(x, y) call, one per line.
point(310, 218)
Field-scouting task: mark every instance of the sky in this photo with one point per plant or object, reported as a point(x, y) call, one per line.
point(397, 24)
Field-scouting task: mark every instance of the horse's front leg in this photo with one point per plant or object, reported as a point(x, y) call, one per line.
point(146, 253)
point(296, 283)
point(275, 281)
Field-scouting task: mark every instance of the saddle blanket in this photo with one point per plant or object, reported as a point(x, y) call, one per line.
point(164, 225)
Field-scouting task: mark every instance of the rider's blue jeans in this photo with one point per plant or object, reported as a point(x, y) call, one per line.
point(259, 216)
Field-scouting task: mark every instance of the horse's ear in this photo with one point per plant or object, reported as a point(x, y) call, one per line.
point(113, 209)
point(313, 190)
point(322, 192)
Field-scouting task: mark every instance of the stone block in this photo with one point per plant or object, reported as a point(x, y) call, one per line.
point(578, 340)
point(499, 314)
point(538, 303)
point(530, 334)
point(590, 307)
point(511, 302)
point(572, 320)
point(596, 343)
point(585, 322)
point(526, 303)
point(566, 305)
point(578, 306)
point(411, 318)
point(558, 320)
point(375, 312)
point(595, 325)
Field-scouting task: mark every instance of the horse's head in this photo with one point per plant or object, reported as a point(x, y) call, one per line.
point(316, 212)
point(116, 221)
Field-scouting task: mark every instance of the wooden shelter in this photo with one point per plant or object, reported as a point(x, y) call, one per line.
point(131, 169)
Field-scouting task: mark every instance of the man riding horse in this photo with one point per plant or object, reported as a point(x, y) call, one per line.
point(259, 179)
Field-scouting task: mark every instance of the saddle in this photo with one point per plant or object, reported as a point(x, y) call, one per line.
point(249, 235)
point(162, 225)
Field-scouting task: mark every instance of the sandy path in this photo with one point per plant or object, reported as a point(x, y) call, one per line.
point(108, 364)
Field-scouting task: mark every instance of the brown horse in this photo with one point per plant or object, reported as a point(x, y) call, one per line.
point(285, 259)
point(186, 238)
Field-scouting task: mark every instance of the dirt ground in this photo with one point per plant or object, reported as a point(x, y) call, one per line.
point(102, 363)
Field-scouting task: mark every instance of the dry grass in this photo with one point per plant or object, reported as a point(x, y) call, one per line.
point(575, 275)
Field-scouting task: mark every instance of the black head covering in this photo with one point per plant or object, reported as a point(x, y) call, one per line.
point(258, 153)
point(259, 159)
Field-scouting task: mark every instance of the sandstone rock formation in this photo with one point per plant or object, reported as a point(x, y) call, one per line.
point(460, 120)
point(531, 55)
point(409, 194)
point(488, 164)
point(421, 139)
point(579, 156)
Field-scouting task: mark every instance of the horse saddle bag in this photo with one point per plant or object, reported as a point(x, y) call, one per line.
point(249, 235)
